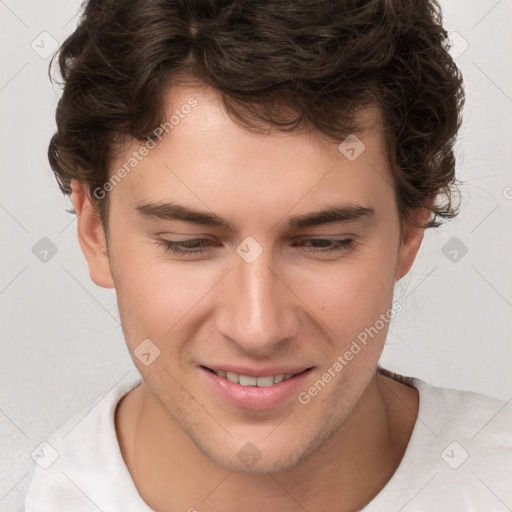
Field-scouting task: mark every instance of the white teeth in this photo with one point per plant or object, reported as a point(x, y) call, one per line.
point(246, 380)
point(232, 377)
point(263, 382)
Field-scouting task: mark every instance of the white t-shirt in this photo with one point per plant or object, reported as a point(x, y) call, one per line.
point(459, 458)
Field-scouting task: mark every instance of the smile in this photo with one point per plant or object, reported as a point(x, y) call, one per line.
point(246, 380)
point(263, 389)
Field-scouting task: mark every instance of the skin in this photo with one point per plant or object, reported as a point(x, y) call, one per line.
point(178, 437)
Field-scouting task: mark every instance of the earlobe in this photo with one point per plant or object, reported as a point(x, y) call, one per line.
point(411, 243)
point(91, 236)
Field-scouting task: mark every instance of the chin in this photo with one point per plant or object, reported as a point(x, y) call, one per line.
point(261, 457)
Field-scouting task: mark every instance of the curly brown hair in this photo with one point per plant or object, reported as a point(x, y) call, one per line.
point(290, 64)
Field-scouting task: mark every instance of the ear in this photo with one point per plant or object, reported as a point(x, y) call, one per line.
point(91, 236)
point(411, 242)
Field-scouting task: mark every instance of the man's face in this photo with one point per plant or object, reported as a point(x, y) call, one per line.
point(266, 297)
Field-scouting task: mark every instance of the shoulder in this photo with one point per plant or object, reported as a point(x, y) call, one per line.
point(80, 454)
point(471, 438)
point(449, 411)
point(459, 456)
point(470, 415)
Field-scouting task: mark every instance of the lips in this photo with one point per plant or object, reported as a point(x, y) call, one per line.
point(255, 389)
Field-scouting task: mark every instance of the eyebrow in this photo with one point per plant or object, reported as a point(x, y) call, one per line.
point(331, 214)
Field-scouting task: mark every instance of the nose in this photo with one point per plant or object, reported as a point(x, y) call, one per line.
point(257, 310)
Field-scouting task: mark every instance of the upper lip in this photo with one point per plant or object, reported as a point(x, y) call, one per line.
point(258, 372)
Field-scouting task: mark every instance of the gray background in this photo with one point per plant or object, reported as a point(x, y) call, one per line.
point(61, 344)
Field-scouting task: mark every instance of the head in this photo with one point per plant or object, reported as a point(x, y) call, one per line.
point(257, 117)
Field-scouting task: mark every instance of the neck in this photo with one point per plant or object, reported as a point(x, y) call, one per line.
point(345, 473)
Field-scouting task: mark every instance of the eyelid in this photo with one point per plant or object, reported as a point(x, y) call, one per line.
point(204, 247)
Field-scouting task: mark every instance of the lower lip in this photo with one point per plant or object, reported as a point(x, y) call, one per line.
point(253, 397)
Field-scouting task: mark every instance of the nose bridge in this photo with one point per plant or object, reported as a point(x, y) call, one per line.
point(256, 314)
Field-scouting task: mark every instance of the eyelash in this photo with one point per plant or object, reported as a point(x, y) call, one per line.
point(181, 247)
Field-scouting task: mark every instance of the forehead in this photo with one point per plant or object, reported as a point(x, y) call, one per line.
point(205, 157)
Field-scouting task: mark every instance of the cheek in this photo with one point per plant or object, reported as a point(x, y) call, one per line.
point(351, 295)
point(155, 294)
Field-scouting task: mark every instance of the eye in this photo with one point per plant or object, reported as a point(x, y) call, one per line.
point(197, 246)
point(192, 246)
point(327, 245)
